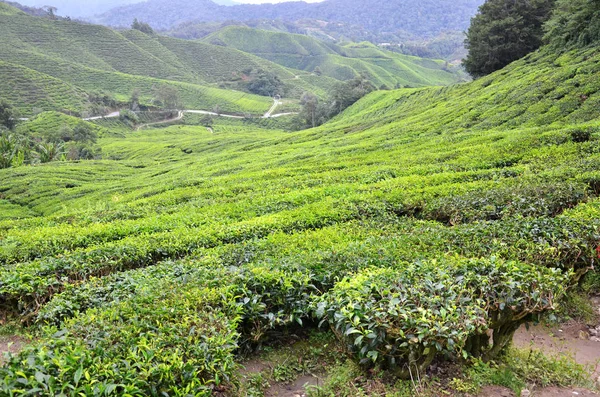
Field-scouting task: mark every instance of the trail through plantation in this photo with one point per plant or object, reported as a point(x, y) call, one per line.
point(269, 114)
point(171, 120)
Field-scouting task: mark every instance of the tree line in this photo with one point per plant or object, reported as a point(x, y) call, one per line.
point(506, 30)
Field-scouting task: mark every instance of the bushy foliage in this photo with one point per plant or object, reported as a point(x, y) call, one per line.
point(404, 317)
point(7, 115)
point(504, 31)
point(574, 22)
point(142, 27)
point(184, 246)
point(316, 112)
point(265, 83)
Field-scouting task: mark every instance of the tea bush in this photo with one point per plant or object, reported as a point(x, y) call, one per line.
point(404, 317)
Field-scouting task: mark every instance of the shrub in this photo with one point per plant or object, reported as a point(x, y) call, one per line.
point(404, 317)
point(580, 135)
point(527, 199)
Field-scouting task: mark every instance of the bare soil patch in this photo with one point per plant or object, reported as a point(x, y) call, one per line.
point(10, 344)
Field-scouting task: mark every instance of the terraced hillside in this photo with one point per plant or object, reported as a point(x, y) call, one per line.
point(92, 58)
point(295, 51)
point(88, 58)
point(415, 224)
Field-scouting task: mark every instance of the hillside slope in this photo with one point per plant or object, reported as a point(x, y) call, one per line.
point(460, 211)
point(94, 58)
point(99, 61)
point(383, 68)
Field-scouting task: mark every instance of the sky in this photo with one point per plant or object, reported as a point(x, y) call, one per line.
point(79, 8)
point(272, 1)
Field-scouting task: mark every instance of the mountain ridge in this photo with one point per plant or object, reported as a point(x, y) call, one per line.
point(422, 18)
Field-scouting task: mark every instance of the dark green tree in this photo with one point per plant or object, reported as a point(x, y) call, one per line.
point(574, 22)
point(142, 27)
point(504, 31)
point(167, 97)
point(266, 84)
point(310, 109)
point(347, 93)
point(8, 117)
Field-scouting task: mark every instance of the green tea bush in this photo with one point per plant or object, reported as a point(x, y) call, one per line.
point(580, 135)
point(523, 199)
point(176, 340)
point(404, 317)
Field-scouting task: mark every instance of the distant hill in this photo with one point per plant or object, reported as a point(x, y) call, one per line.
point(295, 51)
point(60, 65)
point(78, 8)
point(103, 63)
point(423, 18)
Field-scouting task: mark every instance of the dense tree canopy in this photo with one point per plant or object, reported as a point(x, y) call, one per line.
point(504, 31)
point(7, 115)
point(142, 27)
point(574, 22)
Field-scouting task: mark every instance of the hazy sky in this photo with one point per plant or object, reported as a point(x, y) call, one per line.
point(79, 8)
point(272, 1)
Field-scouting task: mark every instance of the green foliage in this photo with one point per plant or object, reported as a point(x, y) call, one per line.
point(343, 95)
point(183, 246)
point(405, 317)
point(61, 66)
point(265, 84)
point(504, 31)
point(49, 151)
point(142, 27)
point(7, 115)
point(528, 199)
point(327, 61)
point(12, 150)
point(574, 23)
point(534, 366)
point(166, 97)
point(128, 349)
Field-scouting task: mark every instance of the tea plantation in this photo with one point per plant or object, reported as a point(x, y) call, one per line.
point(66, 66)
point(341, 62)
point(420, 225)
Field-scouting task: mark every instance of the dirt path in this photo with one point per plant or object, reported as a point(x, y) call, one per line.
point(231, 116)
point(10, 344)
point(572, 339)
point(108, 116)
point(497, 391)
point(267, 115)
point(172, 120)
point(276, 103)
point(295, 389)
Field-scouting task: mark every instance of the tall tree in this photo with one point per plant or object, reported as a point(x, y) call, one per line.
point(142, 27)
point(574, 22)
point(504, 31)
point(7, 115)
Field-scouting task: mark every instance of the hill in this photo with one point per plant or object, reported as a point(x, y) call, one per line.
point(448, 45)
point(415, 224)
point(419, 18)
point(105, 63)
point(301, 52)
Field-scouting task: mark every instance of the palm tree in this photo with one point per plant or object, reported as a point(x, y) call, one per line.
point(49, 151)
